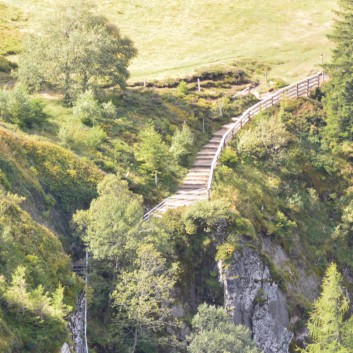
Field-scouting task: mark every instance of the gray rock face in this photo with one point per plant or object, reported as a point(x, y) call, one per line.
point(256, 302)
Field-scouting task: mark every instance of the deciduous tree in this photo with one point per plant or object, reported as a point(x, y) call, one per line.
point(152, 152)
point(182, 143)
point(143, 295)
point(75, 49)
point(110, 226)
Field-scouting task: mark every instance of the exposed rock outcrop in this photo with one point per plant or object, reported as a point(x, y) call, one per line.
point(256, 302)
point(76, 328)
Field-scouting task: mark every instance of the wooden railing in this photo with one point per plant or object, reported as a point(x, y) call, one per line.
point(296, 90)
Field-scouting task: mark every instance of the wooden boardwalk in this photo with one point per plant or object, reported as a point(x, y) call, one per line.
point(197, 184)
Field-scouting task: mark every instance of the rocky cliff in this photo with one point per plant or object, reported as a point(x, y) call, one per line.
point(254, 300)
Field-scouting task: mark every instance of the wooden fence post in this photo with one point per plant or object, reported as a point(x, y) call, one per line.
point(297, 90)
point(307, 88)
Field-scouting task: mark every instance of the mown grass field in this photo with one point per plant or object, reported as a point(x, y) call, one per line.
point(176, 36)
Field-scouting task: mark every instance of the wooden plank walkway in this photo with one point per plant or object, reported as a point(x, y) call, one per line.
point(197, 184)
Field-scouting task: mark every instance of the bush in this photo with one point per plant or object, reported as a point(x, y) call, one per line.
point(78, 136)
point(18, 108)
point(277, 83)
point(6, 66)
point(182, 143)
point(109, 110)
point(95, 136)
point(183, 88)
point(229, 157)
point(87, 108)
point(267, 138)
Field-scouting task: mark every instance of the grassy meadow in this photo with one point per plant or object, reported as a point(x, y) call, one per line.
point(174, 37)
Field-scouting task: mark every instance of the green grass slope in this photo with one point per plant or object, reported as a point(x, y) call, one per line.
point(26, 325)
point(175, 37)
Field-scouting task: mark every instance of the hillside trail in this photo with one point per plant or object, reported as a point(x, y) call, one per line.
point(196, 185)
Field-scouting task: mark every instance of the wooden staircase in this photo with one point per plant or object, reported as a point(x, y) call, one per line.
point(196, 186)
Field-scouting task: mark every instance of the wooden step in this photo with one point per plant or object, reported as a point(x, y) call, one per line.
point(186, 196)
point(203, 163)
point(192, 186)
point(206, 157)
point(195, 193)
point(195, 181)
point(199, 170)
point(206, 153)
point(196, 177)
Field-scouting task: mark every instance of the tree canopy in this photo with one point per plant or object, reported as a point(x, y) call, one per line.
point(143, 297)
point(338, 101)
point(75, 49)
point(112, 221)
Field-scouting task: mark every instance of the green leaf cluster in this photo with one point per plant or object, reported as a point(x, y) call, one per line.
point(215, 332)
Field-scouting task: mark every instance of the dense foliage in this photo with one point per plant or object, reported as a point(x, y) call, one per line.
point(215, 332)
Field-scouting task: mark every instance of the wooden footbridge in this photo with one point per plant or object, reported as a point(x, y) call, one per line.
point(197, 184)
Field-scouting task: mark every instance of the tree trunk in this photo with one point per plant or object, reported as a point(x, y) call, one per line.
point(135, 340)
point(67, 95)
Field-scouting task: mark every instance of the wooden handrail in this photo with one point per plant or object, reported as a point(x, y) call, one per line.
point(296, 90)
point(299, 89)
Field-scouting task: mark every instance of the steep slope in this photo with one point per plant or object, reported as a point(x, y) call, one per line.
point(293, 191)
point(33, 268)
point(53, 180)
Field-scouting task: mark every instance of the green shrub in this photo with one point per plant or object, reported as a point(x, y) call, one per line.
point(95, 136)
point(79, 137)
point(183, 88)
point(229, 157)
point(109, 110)
point(267, 138)
point(87, 108)
point(182, 144)
point(277, 83)
point(6, 66)
point(18, 108)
